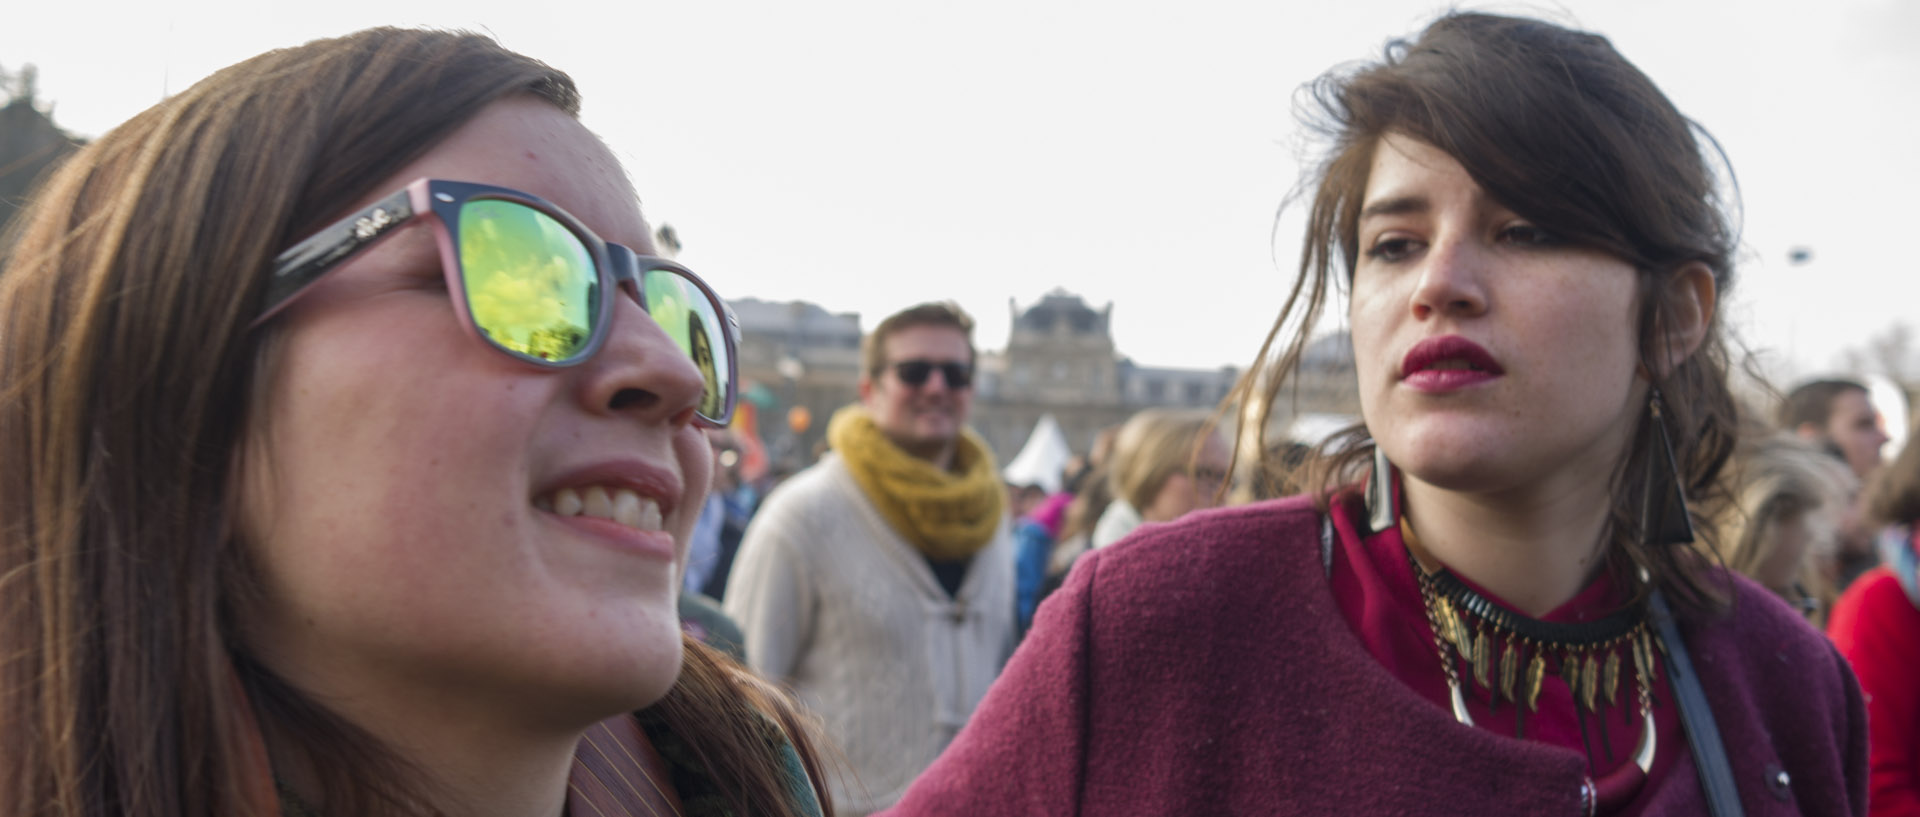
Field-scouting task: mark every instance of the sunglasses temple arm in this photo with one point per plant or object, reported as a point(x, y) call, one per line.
point(307, 261)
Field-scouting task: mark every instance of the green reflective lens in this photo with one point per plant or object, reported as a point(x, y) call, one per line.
point(685, 313)
point(531, 284)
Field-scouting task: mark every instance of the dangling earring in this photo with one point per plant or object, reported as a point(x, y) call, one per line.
point(1663, 511)
point(1380, 511)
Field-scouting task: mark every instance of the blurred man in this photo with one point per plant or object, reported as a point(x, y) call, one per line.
point(1838, 416)
point(878, 583)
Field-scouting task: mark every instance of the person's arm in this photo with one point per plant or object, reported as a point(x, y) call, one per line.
point(1880, 635)
point(770, 593)
point(1024, 751)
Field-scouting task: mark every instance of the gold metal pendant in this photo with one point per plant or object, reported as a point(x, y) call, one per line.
point(1443, 622)
point(1456, 632)
point(1653, 663)
point(1588, 683)
point(1536, 671)
point(1509, 667)
point(1482, 657)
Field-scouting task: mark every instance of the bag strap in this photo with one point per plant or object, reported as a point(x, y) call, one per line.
point(1703, 735)
point(1326, 544)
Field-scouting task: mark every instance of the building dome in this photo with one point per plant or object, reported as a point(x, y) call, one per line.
point(1060, 312)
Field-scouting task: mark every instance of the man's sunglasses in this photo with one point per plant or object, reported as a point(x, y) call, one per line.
point(915, 372)
point(531, 280)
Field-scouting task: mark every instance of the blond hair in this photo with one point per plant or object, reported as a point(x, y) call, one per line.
point(1151, 447)
point(1781, 480)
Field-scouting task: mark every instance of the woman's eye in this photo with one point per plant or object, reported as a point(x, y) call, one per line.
point(1528, 235)
point(1392, 249)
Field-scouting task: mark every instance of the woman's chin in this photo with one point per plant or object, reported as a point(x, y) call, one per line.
point(599, 689)
point(1455, 470)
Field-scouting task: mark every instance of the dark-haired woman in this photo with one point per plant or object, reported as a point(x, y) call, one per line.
point(1876, 625)
point(1488, 604)
point(351, 441)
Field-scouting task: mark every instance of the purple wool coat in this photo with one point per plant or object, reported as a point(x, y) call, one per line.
point(1203, 667)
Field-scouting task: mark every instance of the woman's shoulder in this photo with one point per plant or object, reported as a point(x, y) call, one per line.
point(1755, 616)
point(1760, 637)
point(1877, 593)
point(1786, 703)
point(1875, 605)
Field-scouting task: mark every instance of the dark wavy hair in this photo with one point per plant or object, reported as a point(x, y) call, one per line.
point(127, 375)
point(1557, 126)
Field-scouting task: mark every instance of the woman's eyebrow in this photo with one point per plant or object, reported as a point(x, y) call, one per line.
point(1396, 206)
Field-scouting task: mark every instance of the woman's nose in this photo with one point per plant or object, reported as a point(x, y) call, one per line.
point(641, 371)
point(1452, 281)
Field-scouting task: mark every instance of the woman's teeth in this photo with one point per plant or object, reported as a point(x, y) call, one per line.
point(618, 504)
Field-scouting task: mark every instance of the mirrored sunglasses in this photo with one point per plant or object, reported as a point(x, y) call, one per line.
point(530, 280)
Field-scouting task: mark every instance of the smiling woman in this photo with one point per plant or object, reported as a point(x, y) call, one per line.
point(352, 439)
point(1490, 601)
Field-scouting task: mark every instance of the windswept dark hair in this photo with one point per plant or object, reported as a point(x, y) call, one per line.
point(127, 377)
point(1557, 126)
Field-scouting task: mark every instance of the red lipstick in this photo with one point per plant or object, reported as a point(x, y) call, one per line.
point(1448, 363)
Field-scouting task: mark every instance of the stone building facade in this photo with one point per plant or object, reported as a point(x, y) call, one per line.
point(796, 354)
point(1060, 360)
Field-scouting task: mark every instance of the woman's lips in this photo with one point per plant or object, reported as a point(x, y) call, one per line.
point(590, 499)
point(1448, 363)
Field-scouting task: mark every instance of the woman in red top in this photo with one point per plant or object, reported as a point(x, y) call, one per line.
point(1503, 621)
point(1876, 625)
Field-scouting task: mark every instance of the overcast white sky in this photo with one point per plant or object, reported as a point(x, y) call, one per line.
point(869, 155)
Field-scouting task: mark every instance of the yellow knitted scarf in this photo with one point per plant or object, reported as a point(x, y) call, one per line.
point(949, 516)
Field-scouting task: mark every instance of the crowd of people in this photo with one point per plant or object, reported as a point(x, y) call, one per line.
point(360, 454)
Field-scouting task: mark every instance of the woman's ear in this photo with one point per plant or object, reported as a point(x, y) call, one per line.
point(1691, 296)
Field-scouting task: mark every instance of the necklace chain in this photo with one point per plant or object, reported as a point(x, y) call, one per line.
point(1593, 681)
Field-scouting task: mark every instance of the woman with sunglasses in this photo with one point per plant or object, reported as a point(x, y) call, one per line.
point(1488, 603)
point(351, 441)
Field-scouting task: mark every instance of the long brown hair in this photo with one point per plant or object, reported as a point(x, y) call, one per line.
point(126, 385)
point(1557, 126)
